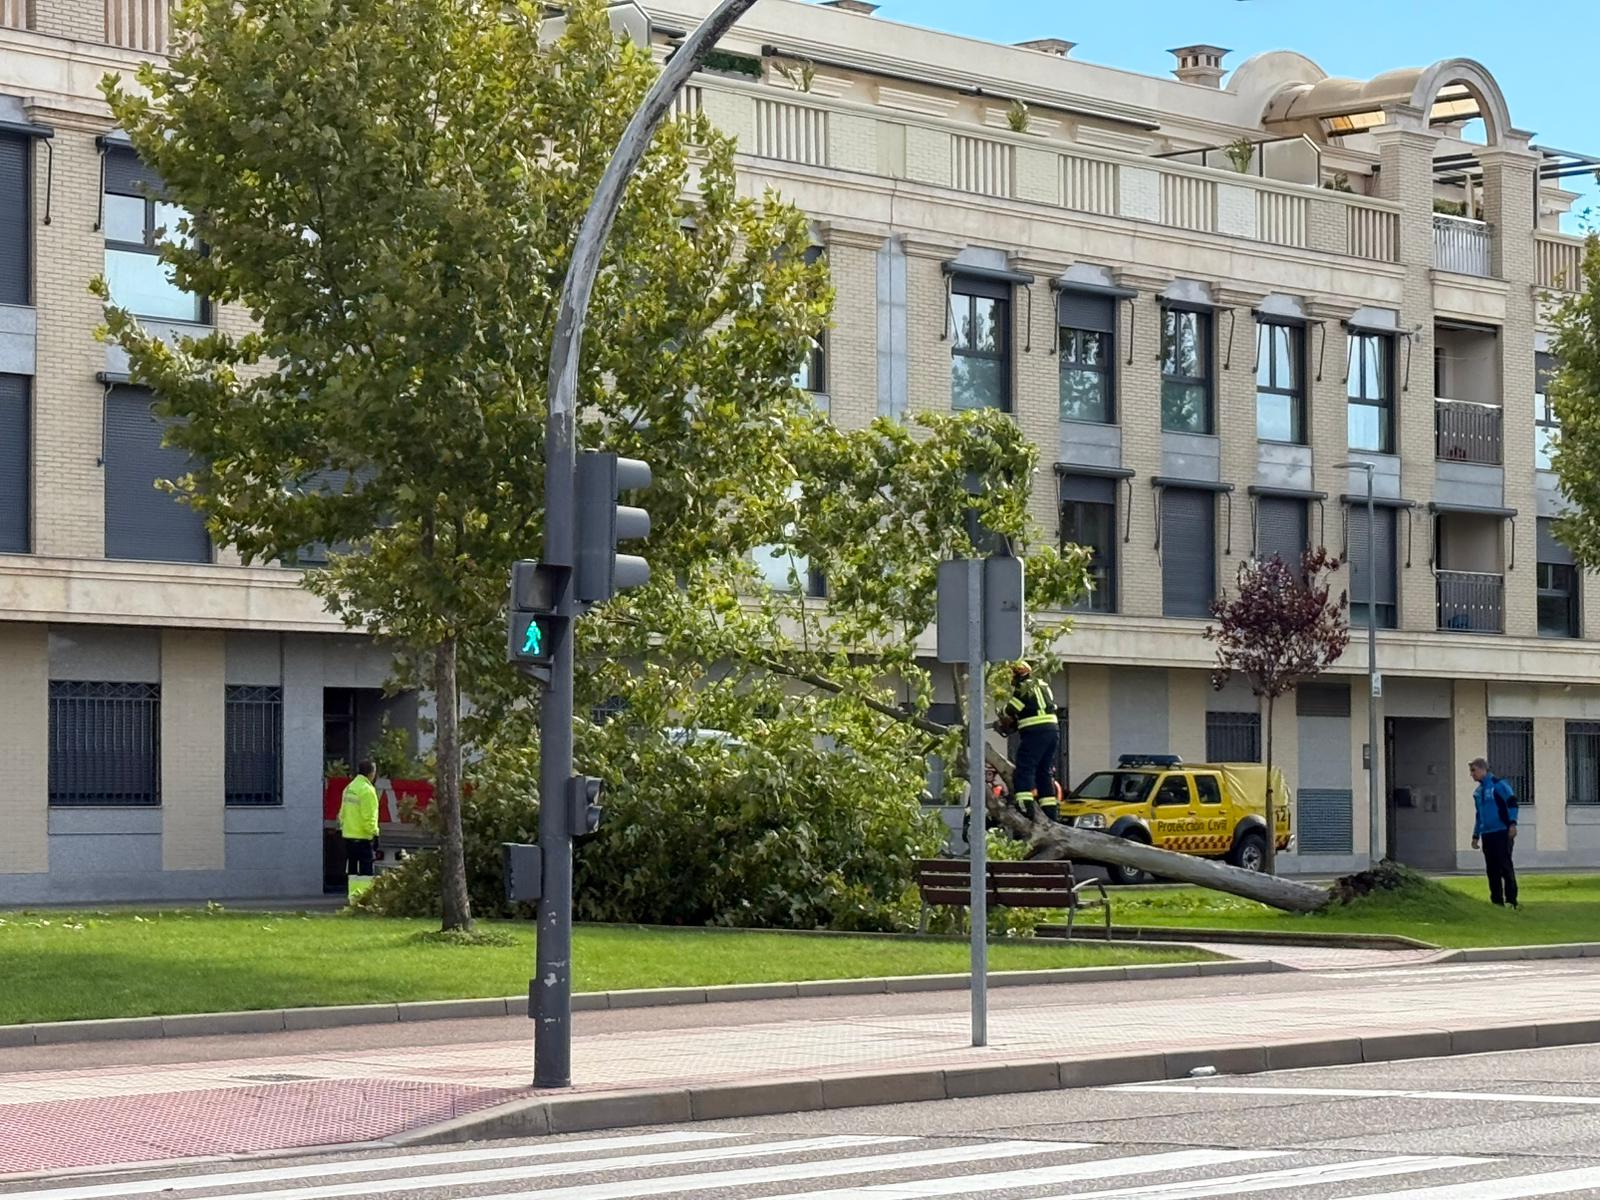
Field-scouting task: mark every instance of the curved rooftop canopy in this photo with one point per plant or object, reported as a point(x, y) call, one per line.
point(1456, 89)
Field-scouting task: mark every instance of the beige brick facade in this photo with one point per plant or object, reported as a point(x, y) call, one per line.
point(193, 669)
point(25, 749)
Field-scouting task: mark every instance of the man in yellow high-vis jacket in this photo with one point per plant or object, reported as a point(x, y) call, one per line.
point(358, 820)
point(1031, 711)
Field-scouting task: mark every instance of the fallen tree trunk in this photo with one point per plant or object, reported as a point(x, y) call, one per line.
point(1048, 840)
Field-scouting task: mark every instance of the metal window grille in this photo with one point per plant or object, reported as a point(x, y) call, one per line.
point(1583, 762)
point(1511, 755)
point(253, 734)
point(105, 744)
point(1233, 737)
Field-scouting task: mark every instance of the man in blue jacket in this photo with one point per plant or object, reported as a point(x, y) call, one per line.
point(1495, 828)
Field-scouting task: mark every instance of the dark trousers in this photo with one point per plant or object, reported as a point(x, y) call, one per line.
point(358, 856)
point(1497, 862)
point(1034, 778)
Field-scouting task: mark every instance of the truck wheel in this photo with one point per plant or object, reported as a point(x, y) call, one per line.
point(1250, 851)
point(1129, 876)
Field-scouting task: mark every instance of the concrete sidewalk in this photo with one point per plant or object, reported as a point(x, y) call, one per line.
point(121, 1103)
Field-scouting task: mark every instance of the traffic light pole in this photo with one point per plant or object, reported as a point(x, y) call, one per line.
point(552, 984)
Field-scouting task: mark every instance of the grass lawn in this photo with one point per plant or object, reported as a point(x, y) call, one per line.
point(1454, 912)
point(66, 965)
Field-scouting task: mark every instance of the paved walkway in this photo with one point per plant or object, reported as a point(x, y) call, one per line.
point(56, 1119)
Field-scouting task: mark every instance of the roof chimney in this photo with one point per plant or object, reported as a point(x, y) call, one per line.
point(855, 6)
point(1200, 64)
point(1051, 46)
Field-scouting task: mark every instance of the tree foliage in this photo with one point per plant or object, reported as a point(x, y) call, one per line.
point(1280, 627)
point(1575, 392)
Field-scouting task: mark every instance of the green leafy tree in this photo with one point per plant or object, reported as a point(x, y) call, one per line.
point(1575, 392)
point(388, 188)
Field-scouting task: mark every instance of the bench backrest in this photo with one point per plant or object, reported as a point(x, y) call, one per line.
point(947, 881)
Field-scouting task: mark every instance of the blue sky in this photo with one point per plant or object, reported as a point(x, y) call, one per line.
point(1543, 54)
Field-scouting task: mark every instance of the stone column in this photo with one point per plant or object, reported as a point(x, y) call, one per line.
point(193, 673)
point(24, 748)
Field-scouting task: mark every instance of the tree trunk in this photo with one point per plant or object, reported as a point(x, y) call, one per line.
point(1049, 840)
point(455, 905)
point(1270, 863)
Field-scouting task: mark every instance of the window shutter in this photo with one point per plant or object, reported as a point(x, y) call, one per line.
point(127, 176)
point(1551, 550)
point(14, 207)
point(1281, 529)
point(141, 522)
point(1322, 700)
point(1088, 489)
point(15, 464)
point(1188, 552)
point(1085, 310)
point(1385, 590)
point(1544, 366)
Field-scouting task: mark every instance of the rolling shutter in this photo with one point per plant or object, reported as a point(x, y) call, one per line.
point(15, 473)
point(1188, 552)
point(1385, 524)
point(1281, 529)
point(1085, 310)
point(141, 522)
point(127, 176)
point(1550, 549)
point(14, 240)
point(1088, 489)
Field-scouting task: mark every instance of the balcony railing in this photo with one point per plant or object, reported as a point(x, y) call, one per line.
point(14, 14)
point(1468, 432)
point(1559, 260)
point(139, 24)
point(1471, 602)
point(1462, 246)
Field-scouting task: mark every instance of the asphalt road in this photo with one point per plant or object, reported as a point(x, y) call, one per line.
point(1492, 1127)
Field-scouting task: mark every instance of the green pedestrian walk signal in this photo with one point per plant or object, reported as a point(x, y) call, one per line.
point(532, 638)
point(533, 622)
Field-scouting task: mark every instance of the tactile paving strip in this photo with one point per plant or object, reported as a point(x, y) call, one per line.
point(57, 1134)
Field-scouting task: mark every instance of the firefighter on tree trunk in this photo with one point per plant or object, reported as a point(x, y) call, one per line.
point(1031, 713)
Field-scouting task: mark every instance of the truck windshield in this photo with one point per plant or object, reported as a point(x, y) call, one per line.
point(1126, 787)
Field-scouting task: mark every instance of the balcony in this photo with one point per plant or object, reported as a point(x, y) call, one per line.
point(1465, 431)
point(14, 14)
point(144, 25)
point(1471, 601)
point(1559, 259)
point(1463, 246)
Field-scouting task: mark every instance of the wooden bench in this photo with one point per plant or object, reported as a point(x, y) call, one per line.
point(947, 882)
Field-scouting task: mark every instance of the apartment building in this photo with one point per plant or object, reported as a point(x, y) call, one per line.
point(1199, 294)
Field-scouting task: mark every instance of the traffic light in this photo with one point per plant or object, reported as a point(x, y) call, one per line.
point(602, 523)
point(583, 797)
point(533, 624)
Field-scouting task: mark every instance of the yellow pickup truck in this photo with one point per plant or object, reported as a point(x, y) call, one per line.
point(1211, 810)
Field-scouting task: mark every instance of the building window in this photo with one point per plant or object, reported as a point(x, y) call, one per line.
point(1186, 356)
point(1280, 383)
point(1546, 425)
point(1511, 756)
point(1188, 552)
point(784, 569)
point(980, 344)
point(1583, 762)
point(253, 734)
point(1374, 588)
point(1557, 585)
point(1085, 324)
point(105, 744)
point(140, 521)
point(1370, 388)
point(1282, 529)
point(812, 374)
point(1089, 519)
point(136, 224)
point(1233, 737)
point(16, 466)
point(16, 232)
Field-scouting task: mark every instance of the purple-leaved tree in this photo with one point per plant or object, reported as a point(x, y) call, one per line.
point(1282, 626)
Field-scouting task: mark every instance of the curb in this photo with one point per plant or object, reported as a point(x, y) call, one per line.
point(1252, 937)
point(280, 1020)
point(552, 1114)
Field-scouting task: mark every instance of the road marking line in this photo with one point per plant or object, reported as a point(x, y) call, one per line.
point(872, 1164)
point(358, 1166)
point(999, 1181)
point(1551, 1183)
point(1361, 1093)
point(1271, 1181)
point(393, 1186)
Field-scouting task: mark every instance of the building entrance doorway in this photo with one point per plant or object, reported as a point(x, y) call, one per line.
point(1421, 809)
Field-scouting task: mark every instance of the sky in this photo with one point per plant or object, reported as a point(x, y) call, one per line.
point(1543, 54)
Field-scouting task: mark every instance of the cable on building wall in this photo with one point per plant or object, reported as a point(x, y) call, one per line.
point(100, 211)
point(1322, 352)
point(949, 302)
point(49, 176)
point(1127, 513)
point(1133, 313)
point(1227, 548)
point(1227, 359)
point(1027, 337)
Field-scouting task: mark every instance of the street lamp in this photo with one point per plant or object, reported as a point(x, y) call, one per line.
point(1374, 687)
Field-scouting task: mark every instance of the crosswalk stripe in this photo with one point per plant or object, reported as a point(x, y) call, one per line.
point(999, 1181)
point(362, 1166)
point(821, 1169)
point(1362, 1093)
point(524, 1171)
point(1516, 1187)
point(1271, 1181)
